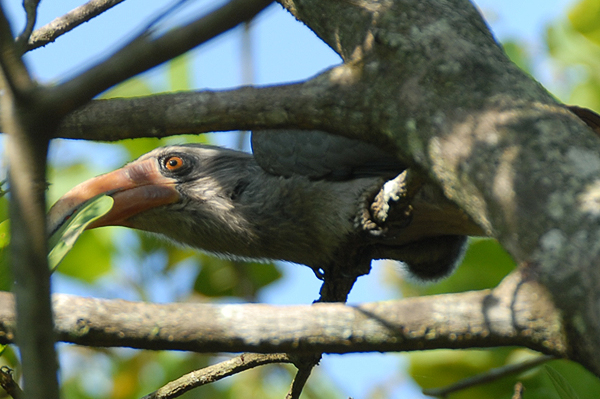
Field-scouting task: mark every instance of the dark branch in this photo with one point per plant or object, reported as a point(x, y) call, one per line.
point(61, 25)
point(300, 379)
point(185, 113)
point(27, 144)
point(16, 77)
point(7, 382)
point(492, 375)
point(31, 12)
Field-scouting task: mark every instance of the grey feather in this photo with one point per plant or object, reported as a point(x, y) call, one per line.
point(320, 155)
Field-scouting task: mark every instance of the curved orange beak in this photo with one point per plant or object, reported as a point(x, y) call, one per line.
point(135, 188)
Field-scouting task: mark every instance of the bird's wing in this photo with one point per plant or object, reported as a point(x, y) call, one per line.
point(319, 155)
point(591, 118)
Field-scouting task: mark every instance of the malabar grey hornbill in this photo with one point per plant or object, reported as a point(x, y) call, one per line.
point(298, 198)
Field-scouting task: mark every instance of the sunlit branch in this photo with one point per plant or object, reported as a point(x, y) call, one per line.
point(63, 24)
point(442, 321)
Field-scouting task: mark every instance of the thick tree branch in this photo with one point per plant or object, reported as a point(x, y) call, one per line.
point(319, 103)
point(189, 113)
point(485, 132)
point(518, 312)
point(26, 148)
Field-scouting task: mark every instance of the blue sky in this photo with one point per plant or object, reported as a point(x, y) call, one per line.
point(283, 51)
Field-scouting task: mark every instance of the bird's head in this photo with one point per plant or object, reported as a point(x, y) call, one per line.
point(157, 185)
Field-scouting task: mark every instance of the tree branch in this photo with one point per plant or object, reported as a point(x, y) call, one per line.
point(145, 52)
point(300, 379)
point(61, 25)
point(491, 375)
point(9, 384)
point(15, 75)
point(518, 312)
point(485, 132)
point(214, 373)
point(27, 146)
point(30, 7)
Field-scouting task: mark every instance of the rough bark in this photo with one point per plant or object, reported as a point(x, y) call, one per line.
point(517, 312)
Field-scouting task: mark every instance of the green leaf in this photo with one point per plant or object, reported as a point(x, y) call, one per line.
point(3, 208)
point(562, 386)
point(5, 274)
point(63, 240)
point(4, 234)
point(91, 257)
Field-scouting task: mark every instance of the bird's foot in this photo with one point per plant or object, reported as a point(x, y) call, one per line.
point(392, 203)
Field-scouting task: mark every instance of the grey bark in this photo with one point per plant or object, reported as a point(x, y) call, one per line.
point(514, 313)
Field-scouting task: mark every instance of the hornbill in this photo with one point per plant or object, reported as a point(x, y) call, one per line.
point(300, 197)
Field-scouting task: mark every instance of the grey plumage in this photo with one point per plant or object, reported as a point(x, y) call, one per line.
point(319, 155)
point(303, 197)
point(232, 207)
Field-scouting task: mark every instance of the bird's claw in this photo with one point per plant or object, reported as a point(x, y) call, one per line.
point(395, 195)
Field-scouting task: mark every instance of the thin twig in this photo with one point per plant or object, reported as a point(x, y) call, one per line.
point(214, 373)
point(30, 7)
point(305, 367)
point(61, 25)
point(145, 52)
point(519, 388)
point(2, 185)
point(170, 10)
point(15, 74)
point(489, 376)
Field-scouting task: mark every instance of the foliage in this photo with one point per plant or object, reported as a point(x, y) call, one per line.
point(5, 274)
point(63, 240)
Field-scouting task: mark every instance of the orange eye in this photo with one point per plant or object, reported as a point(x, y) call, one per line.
point(173, 163)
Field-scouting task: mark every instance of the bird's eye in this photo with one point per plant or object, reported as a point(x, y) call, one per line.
point(173, 163)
